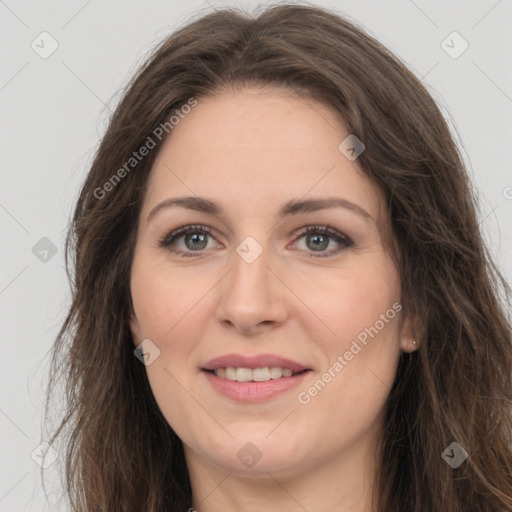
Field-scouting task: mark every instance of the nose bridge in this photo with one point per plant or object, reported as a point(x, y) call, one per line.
point(249, 296)
point(250, 272)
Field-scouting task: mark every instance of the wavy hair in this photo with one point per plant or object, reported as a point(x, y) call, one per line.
point(121, 454)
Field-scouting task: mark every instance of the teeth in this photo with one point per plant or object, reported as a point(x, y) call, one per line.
point(230, 374)
point(261, 374)
point(256, 374)
point(276, 372)
point(243, 374)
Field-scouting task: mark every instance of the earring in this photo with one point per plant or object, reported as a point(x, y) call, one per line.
point(413, 342)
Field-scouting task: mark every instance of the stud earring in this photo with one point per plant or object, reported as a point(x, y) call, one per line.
point(413, 342)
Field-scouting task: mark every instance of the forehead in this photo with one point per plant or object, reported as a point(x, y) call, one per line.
point(246, 121)
point(259, 147)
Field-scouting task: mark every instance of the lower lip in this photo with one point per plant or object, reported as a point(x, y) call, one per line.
point(254, 391)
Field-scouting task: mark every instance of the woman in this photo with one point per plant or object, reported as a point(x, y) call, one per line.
point(282, 300)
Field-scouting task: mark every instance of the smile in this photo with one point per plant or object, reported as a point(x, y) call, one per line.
point(254, 374)
point(253, 391)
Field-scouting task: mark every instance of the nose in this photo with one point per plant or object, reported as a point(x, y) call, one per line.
point(253, 297)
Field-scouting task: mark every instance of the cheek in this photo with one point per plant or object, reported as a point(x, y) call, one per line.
point(361, 348)
point(172, 309)
point(355, 299)
point(165, 299)
point(362, 353)
point(168, 309)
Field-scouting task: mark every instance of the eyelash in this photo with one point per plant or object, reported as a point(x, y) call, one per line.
point(344, 241)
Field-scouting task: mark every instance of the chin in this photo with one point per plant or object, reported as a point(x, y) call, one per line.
point(252, 454)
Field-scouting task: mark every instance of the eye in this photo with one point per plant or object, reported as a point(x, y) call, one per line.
point(318, 238)
point(195, 239)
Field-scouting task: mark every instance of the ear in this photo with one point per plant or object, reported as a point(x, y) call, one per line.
point(409, 336)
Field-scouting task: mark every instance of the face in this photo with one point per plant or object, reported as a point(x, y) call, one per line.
point(257, 273)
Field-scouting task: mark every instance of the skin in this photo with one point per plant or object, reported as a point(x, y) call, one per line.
point(250, 151)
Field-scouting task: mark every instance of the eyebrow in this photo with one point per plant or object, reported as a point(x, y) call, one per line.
point(292, 207)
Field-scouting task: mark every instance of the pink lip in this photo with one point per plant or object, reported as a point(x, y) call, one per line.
point(253, 391)
point(259, 361)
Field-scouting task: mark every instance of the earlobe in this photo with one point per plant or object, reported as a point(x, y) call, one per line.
point(409, 341)
point(409, 344)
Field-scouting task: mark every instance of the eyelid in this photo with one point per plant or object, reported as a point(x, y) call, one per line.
point(166, 241)
point(342, 239)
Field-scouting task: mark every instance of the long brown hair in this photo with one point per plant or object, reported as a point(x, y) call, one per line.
point(120, 452)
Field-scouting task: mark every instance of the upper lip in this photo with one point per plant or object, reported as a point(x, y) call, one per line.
point(259, 361)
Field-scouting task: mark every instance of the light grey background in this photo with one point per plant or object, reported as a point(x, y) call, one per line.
point(54, 111)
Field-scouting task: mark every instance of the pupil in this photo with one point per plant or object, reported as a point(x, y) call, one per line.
point(195, 237)
point(319, 241)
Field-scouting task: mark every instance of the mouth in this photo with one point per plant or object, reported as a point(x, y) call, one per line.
point(253, 378)
point(263, 374)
